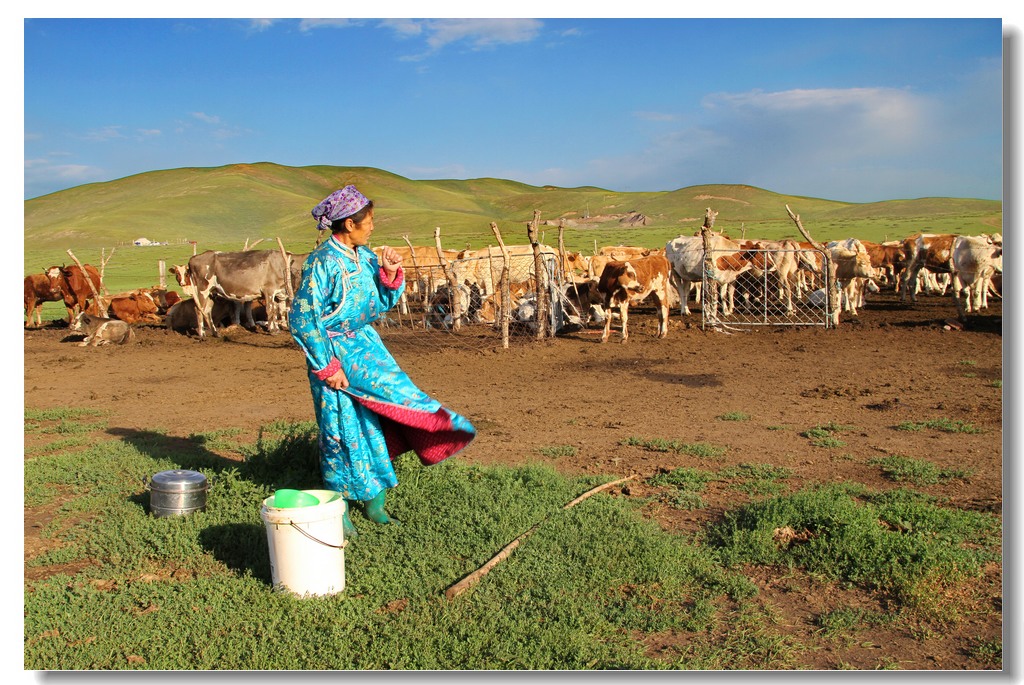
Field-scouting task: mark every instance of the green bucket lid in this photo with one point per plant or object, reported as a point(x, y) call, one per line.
point(290, 499)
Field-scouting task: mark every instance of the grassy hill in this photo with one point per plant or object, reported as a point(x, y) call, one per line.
point(224, 207)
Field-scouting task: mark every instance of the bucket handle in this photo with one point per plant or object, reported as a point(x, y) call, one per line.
point(314, 539)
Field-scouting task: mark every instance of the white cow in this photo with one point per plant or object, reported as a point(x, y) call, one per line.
point(685, 255)
point(976, 259)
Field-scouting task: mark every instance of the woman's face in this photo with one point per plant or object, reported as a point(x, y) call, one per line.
point(358, 234)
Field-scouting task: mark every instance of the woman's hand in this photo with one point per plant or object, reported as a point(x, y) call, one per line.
point(339, 381)
point(390, 260)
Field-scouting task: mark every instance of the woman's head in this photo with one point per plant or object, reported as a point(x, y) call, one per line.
point(335, 209)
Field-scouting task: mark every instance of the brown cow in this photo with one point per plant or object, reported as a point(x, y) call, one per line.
point(77, 293)
point(633, 281)
point(139, 307)
point(39, 288)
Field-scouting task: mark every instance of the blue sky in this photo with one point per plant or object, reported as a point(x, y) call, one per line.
point(855, 110)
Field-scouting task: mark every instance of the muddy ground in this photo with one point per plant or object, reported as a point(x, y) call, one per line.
point(892, 364)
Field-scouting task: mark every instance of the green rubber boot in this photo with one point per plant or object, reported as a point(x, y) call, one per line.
point(375, 510)
point(346, 522)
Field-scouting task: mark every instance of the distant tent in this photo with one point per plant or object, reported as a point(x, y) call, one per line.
point(142, 241)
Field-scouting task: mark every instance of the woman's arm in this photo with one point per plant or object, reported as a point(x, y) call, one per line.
point(305, 320)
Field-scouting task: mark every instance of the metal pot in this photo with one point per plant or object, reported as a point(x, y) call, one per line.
point(177, 493)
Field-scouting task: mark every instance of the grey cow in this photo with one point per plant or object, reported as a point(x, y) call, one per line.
point(100, 330)
point(239, 277)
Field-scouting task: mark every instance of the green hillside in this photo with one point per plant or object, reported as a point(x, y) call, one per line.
point(224, 207)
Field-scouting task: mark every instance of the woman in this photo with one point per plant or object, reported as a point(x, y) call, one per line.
point(366, 407)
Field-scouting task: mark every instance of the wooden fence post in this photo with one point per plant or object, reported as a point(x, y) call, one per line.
point(452, 283)
point(538, 276)
point(161, 267)
point(831, 286)
point(101, 304)
point(504, 305)
point(426, 288)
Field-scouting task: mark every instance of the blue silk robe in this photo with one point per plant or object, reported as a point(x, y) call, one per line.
point(382, 413)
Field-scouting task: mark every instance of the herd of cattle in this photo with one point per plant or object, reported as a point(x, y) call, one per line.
point(223, 288)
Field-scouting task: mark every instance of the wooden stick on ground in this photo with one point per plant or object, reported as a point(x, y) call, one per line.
point(474, 577)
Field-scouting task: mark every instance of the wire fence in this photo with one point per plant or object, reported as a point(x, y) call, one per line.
point(767, 287)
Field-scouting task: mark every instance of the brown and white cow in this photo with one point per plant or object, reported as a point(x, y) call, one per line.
point(631, 282)
point(39, 288)
point(77, 293)
point(686, 258)
point(100, 330)
point(925, 251)
point(976, 259)
point(889, 259)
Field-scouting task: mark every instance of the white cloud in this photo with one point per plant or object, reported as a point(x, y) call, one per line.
point(104, 134)
point(148, 132)
point(261, 24)
point(206, 118)
point(479, 34)
point(310, 24)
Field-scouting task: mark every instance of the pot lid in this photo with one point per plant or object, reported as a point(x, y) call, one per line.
point(179, 480)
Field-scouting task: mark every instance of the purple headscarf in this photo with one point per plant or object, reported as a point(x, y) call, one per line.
point(340, 204)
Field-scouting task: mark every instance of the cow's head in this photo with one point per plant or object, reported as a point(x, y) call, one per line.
point(180, 272)
point(627, 279)
point(862, 266)
point(53, 275)
point(76, 323)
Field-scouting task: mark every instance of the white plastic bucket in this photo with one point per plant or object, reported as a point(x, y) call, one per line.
point(307, 544)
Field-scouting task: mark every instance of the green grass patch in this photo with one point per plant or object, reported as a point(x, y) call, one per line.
point(693, 449)
point(897, 542)
point(997, 384)
point(734, 416)
point(842, 622)
point(757, 479)
point(917, 471)
point(193, 593)
point(555, 451)
point(686, 484)
point(940, 424)
point(825, 435)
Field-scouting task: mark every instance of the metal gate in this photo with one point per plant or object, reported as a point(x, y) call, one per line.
point(766, 287)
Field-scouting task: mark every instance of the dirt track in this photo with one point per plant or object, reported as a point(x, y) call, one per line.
point(893, 364)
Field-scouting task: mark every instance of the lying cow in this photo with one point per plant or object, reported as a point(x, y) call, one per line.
point(623, 283)
point(100, 330)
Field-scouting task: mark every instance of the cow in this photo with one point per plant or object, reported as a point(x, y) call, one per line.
point(239, 277)
point(621, 253)
point(631, 282)
point(484, 267)
point(853, 269)
point(976, 259)
point(924, 251)
point(686, 257)
point(100, 330)
point(182, 317)
point(137, 307)
point(39, 288)
point(780, 258)
point(421, 266)
point(889, 259)
point(77, 293)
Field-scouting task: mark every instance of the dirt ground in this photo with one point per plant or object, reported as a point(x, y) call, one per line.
point(892, 364)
